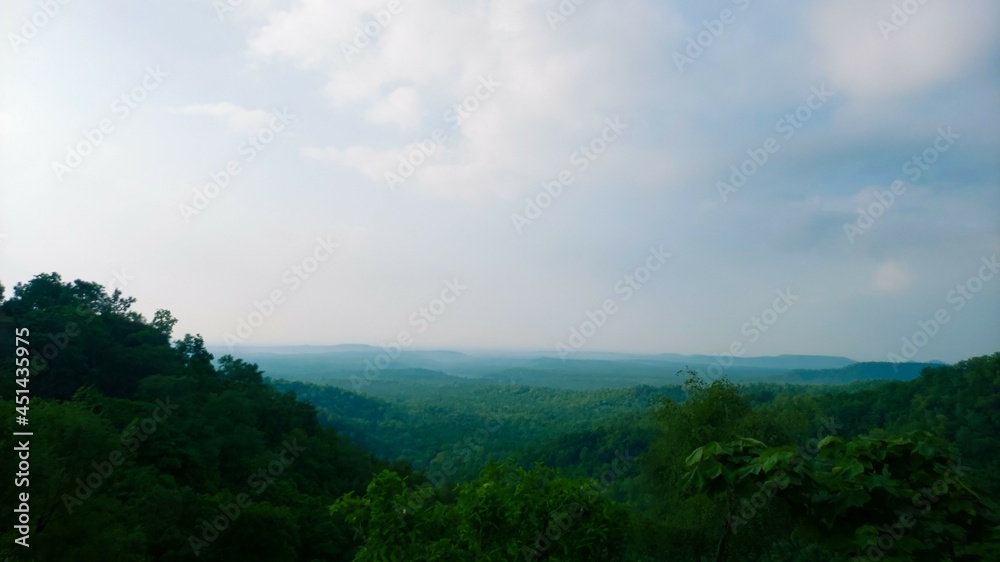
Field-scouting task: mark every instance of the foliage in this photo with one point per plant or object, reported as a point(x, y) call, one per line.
point(506, 514)
point(889, 499)
point(138, 442)
point(146, 444)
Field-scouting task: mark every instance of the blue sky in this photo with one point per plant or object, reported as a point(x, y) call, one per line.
point(250, 131)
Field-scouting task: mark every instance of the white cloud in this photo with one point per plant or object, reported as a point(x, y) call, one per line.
point(401, 107)
point(936, 43)
point(370, 163)
point(657, 185)
point(234, 117)
point(552, 95)
point(4, 127)
point(892, 277)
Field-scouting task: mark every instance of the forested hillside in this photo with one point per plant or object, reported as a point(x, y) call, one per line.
point(142, 448)
point(426, 424)
point(852, 373)
point(352, 367)
point(146, 447)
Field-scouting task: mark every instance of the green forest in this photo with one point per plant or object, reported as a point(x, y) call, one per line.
point(148, 447)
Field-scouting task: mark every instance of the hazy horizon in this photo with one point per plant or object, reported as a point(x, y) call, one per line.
point(501, 351)
point(632, 168)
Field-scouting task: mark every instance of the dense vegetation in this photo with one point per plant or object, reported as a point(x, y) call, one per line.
point(139, 442)
point(152, 449)
point(353, 368)
point(428, 424)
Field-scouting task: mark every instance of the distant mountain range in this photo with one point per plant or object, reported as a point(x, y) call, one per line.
point(585, 370)
point(854, 372)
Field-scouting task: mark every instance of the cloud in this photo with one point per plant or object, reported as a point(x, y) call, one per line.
point(401, 107)
point(658, 184)
point(873, 54)
point(891, 277)
point(424, 63)
point(369, 162)
point(4, 127)
point(235, 118)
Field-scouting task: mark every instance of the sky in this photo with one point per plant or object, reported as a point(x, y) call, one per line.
point(745, 177)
